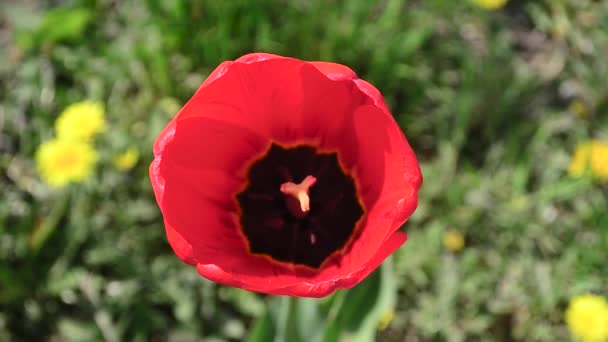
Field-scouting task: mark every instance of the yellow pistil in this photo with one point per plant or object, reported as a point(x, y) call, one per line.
point(298, 201)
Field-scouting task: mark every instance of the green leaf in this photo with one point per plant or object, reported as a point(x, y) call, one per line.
point(61, 24)
point(386, 300)
point(263, 330)
point(12, 286)
point(359, 300)
point(286, 320)
point(290, 319)
point(310, 321)
point(58, 25)
point(365, 305)
point(77, 330)
point(70, 280)
point(48, 225)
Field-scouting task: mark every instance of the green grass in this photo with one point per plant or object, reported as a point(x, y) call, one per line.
point(483, 96)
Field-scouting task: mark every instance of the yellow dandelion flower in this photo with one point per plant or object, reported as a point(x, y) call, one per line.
point(590, 157)
point(60, 162)
point(81, 121)
point(453, 240)
point(587, 318)
point(386, 319)
point(490, 4)
point(580, 160)
point(579, 108)
point(126, 160)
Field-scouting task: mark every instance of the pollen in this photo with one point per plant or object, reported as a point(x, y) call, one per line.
point(298, 200)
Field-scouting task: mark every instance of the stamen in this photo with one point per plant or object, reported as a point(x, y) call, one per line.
point(313, 239)
point(298, 201)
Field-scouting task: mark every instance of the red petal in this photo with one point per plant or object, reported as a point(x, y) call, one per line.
point(389, 189)
point(373, 93)
point(181, 247)
point(325, 288)
point(200, 230)
point(279, 98)
point(335, 71)
point(258, 57)
point(412, 175)
point(203, 143)
point(217, 73)
point(225, 66)
point(259, 278)
point(157, 180)
point(381, 143)
point(253, 92)
point(324, 109)
point(390, 245)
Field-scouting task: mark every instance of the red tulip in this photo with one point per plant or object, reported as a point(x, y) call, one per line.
point(284, 177)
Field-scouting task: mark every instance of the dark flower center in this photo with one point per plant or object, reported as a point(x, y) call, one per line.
point(299, 206)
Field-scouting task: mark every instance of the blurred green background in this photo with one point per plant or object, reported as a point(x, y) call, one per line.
point(493, 101)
